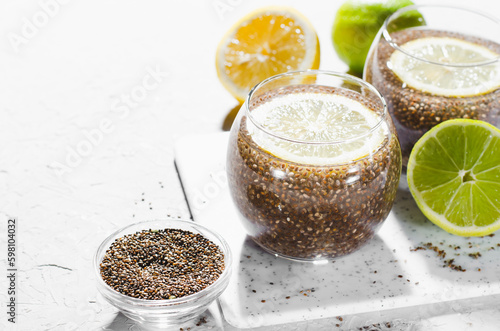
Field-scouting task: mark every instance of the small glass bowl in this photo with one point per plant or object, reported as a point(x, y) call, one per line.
point(161, 313)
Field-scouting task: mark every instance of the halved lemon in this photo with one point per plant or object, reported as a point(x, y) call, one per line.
point(317, 128)
point(454, 176)
point(267, 42)
point(457, 76)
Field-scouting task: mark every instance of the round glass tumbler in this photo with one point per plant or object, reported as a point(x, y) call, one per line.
point(434, 63)
point(313, 164)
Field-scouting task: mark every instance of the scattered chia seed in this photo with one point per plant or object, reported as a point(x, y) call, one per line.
point(441, 254)
point(475, 255)
point(376, 326)
point(449, 263)
point(203, 320)
point(161, 264)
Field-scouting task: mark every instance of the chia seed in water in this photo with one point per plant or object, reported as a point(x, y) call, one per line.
point(415, 112)
point(309, 211)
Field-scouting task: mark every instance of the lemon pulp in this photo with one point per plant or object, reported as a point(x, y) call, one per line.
point(447, 66)
point(317, 128)
point(454, 176)
point(267, 42)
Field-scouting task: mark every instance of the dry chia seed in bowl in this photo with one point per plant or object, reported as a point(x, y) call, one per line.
point(161, 264)
point(162, 273)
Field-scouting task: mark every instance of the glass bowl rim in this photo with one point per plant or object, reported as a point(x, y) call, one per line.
point(360, 82)
point(165, 303)
point(387, 35)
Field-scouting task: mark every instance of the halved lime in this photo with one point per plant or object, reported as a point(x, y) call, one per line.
point(447, 66)
point(317, 128)
point(454, 176)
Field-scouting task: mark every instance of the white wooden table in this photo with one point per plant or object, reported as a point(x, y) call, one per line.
point(93, 94)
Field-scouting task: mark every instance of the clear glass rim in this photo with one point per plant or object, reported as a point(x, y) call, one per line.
point(186, 300)
point(388, 37)
point(352, 79)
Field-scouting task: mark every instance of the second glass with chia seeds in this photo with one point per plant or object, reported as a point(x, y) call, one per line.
point(447, 67)
point(313, 164)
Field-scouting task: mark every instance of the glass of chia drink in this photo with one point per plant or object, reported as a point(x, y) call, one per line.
point(446, 66)
point(313, 164)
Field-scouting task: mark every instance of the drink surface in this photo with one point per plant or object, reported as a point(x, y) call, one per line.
point(447, 66)
point(301, 210)
point(318, 127)
point(421, 94)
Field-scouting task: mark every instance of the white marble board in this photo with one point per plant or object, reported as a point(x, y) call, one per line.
point(385, 275)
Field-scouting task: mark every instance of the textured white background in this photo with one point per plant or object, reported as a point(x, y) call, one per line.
point(61, 76)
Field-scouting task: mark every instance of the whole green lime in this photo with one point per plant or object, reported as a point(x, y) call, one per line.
point(356, 25)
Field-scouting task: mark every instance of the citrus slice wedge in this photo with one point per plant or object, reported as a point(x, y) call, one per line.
point(267, 42)
point(317, 128)
point(446, 66)
point(454, 175)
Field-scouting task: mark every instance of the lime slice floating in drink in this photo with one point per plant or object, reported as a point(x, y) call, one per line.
point(317, 128)
point(446, 66)
point(454, 176)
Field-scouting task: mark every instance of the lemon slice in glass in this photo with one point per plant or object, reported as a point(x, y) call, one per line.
point(447, 66)
point(317, 128)
point(454, 176)
point(269, 41)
